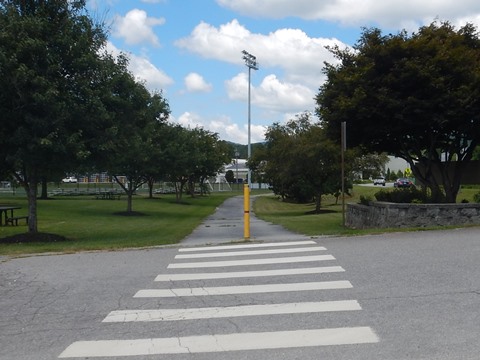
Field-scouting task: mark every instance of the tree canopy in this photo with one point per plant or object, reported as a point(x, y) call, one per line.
point(48, 65)
point(136, 117)
point(191, 156)
point(413, 96)
point(299, 162)
point(69, 106)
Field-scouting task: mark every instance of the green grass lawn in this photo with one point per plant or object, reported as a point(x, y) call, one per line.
point(299, 217)
point(91, 224)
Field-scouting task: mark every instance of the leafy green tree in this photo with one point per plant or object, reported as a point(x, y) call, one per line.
point(179, 157)
point(49, 59)
point(138, 116)
point(300, 162)
point(192, 156)
point(209, 157)
point(230, 176)
point(476, 153)
point(156, 166)
point(257, 163)
point(369, 165)
point(416, 97)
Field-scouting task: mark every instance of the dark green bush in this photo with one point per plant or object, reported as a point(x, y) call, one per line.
point(476, 197)
point(405, 196)
point(365, 200)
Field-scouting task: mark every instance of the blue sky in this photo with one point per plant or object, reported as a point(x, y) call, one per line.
point(191, 50)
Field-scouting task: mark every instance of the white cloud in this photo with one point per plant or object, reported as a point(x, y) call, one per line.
point(224, 43)
point(237, 87)
point(136, 27)
point(388, 13)
point(196, 83)
point(299, 57)
point(286, 48)
point(272, 94)
point(144, 70)
point(188, 119)
point(224, 127)
point(282, 96)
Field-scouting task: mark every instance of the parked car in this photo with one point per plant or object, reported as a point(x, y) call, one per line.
point(403, 183)
point(70, 179)
point(379, 181)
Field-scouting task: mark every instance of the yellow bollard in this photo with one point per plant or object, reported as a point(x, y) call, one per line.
point(246, 212)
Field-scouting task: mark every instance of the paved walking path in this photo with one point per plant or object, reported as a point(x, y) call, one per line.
point(226, 225)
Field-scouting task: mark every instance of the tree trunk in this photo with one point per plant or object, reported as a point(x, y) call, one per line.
point(130, 191)
point(31, 190)
point(452, 182)
point(150, 188)
point(129, 201)
point(191, 188)
point(179, 186)
point(446, 187)
point(318, 202)
point(30, 184)
point(427, 179)
point(178, 197)
point(44, 194)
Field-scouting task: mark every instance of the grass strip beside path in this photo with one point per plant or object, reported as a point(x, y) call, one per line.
point(300, 218)
point(90, 224)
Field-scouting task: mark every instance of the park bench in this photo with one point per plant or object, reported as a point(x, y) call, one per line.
point(108, 195)
point(14, 220)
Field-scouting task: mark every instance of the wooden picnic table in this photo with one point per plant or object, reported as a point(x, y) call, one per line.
point(108, 195)
point(4, 209)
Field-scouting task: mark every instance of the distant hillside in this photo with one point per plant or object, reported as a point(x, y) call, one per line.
point(242, 149)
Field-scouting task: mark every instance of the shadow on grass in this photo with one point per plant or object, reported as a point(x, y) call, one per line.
point(130, 213)
point(322, 211)
point(33, 238)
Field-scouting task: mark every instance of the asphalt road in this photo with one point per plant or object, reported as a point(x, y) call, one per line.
point(418, 297)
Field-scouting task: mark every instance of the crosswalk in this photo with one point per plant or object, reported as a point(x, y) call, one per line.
point(263, 272)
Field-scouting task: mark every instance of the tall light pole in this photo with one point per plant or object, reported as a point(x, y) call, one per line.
point(251, 63)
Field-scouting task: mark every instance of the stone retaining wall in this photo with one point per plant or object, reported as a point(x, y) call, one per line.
point(392, 215)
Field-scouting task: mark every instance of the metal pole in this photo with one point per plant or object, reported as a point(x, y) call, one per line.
point(251, 63)
point(249, 143)
point(236, 165)
point(246, 212)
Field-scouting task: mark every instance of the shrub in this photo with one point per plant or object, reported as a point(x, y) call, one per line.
point(406, 196)
point(476, 197)
point(365, 200)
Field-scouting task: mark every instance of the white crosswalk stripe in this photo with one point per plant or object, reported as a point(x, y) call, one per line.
point(248, 274)
point(247, 246)
point(226, 263)
point(272, 269)
point(231, 311)
point(221, 342)
point(251, 252)
point(244, 289)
